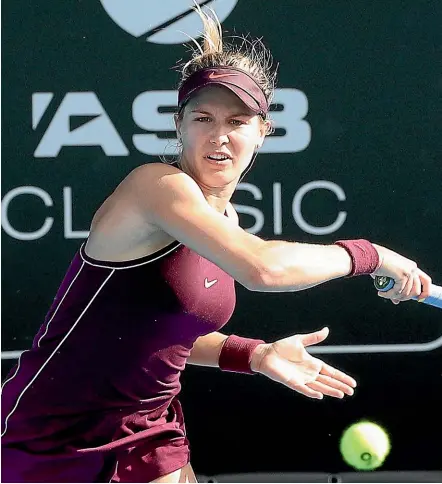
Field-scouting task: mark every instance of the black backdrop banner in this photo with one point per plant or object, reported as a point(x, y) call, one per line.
point(88, 92)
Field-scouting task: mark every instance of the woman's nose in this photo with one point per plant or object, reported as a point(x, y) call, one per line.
point(219, 137)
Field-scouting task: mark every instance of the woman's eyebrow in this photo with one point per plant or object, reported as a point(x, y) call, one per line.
point(200, 111)
point(241, 113)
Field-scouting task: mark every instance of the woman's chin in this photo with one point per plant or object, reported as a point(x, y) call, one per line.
point(219, 177)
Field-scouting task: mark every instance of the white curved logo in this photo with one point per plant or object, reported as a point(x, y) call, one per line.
point(164, 22)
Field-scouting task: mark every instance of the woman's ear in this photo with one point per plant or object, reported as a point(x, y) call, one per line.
point(265, 129)
point(268, 127)
point(177, 121)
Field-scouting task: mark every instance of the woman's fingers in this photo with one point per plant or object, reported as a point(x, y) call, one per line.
point(330, 382)
point(409, 286)
point(314, 338)
point(305, 390)
point(395, 294)
point(418, 284)
point(336, 384)
point(325, 389)
point(425, 281)
point(416, 289)
point(337, 375)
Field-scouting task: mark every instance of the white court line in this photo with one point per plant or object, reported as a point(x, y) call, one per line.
point(11, 355)
point(390, 348)
point(333, 349)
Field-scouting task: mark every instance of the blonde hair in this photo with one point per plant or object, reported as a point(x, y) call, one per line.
point(249, 55)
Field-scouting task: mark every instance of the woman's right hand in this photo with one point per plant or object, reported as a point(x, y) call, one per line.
point(410, 281)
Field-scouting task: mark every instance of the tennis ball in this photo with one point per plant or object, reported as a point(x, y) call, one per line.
point(364, 445)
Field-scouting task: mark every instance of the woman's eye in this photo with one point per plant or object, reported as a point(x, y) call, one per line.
point(206, 119)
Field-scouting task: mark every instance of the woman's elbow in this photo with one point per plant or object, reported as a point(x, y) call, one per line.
point(262, 279)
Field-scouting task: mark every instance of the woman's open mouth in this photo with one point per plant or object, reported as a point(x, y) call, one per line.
point(218, 158)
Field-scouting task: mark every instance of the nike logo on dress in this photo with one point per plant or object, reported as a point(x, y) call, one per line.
point(208, 284)
point(212, 75)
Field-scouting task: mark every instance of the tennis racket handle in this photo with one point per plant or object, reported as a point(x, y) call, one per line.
point(384, 284)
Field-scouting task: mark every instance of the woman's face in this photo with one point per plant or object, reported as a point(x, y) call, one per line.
point(219, 134)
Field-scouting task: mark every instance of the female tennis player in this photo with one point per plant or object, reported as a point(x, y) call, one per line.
point(95, 398)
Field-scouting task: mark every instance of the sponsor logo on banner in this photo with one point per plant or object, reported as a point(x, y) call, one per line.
point(79, 119)
point(151, 111)
point(166, 21)
point(37, 195)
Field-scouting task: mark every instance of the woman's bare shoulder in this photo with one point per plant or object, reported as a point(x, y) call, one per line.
point(154, 169)
point(158, 177)
point(120, 229)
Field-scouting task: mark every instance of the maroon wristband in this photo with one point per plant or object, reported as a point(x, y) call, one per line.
point(364, 257)
point(236, 354)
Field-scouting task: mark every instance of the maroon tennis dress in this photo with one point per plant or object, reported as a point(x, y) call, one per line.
point(95, 398)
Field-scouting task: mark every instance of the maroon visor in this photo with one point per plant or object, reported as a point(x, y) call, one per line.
point(239, 82)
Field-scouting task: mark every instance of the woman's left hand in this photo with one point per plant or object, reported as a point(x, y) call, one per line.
point(288, 362)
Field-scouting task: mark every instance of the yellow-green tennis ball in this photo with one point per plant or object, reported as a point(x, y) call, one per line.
point(364, 445)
